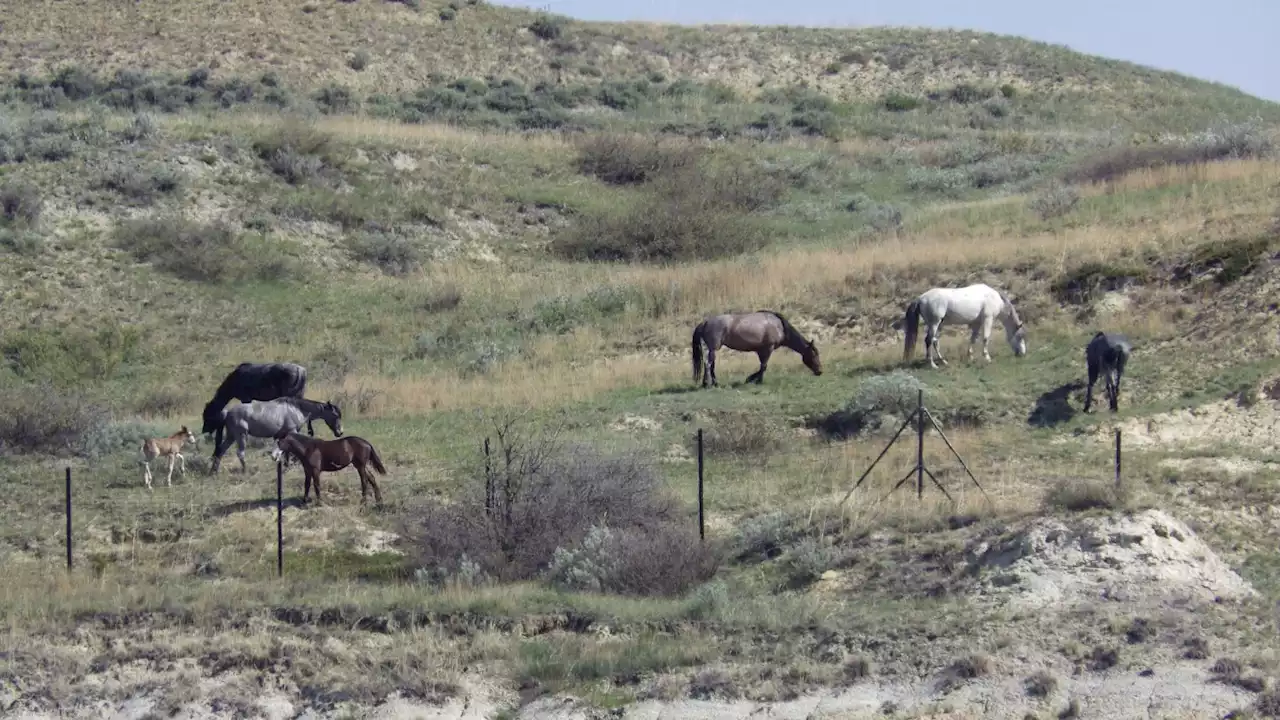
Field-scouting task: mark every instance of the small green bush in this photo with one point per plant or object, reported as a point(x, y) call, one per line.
point(1054, 201)
point(899, 102)
point(297, 152)
point(141, 185)
point(1076, 495)
point(700, 212)
point(20, 204)
point(627, 159)
point(393, 254)
point(548, 27)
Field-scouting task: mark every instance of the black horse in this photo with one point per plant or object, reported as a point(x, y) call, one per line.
point(1106, 355)
point(254, 381)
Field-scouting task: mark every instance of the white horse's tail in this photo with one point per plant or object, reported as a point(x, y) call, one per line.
point(911, 326)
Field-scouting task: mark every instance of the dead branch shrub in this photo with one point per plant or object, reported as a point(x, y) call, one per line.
point(700, 212)
point(632, 159)
point(604, 521)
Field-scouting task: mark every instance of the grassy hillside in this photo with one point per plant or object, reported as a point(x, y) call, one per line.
point(467, 221)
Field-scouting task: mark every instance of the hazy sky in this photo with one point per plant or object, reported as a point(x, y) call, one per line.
point(1229, 41)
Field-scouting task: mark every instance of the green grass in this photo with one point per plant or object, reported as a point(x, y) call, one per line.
point(159, 228)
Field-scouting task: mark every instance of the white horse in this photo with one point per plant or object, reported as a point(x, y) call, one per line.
point(977, 306)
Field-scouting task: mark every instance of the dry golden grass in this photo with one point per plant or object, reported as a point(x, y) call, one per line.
point(1225, 200)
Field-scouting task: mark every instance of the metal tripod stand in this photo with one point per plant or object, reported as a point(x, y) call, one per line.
point(919, 415)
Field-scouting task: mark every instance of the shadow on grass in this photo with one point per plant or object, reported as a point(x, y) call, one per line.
point(1054, 407)
point(249, 505)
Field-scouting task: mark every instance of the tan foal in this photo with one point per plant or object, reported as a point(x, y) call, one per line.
point(169, 447)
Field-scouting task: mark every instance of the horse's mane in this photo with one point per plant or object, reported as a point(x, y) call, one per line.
point(786, 324)
point(1009, 303)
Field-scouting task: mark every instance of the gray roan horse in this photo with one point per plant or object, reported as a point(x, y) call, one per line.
point(760, 332)
point(254, 381)
point(977, 306)
point(1106, 354)
point(268, 419)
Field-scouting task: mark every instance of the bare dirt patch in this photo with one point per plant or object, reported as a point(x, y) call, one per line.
point(1146, 556)
point(1221, 423)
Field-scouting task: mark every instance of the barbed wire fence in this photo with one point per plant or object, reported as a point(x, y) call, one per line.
point(717, 470)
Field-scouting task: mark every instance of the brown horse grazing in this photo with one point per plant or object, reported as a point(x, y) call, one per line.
point(760, 332)
point(317, 456)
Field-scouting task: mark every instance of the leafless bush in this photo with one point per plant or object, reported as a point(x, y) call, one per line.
point(537, 497)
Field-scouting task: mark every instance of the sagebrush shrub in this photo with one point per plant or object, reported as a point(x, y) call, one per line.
point(20, 203)
point(42, 419)
point(206, 252)
point(703, 211)
point(1054, 201)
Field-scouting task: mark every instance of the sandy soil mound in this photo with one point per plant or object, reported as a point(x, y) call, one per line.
point(1145, 556)
point(1224, 422)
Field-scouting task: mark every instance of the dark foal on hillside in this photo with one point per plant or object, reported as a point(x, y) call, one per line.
point(317, 456)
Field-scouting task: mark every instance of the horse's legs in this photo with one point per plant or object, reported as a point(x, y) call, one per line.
point(216, 463)
point(146, 472)
point(364, 481)
point(168, 481)
point(368, 477)
point(182, 464)
point(711, 366)
point(931, 339)
point(1093, 378)
point(987, 324)
point(758, 375)
point(1113, 389)
point(241, 446)
point(310, 430)
point(317, 481)
point(975, 330)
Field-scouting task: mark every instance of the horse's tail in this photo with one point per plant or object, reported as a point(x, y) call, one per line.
point(911, 326)
point(376, 460)
point(696, 350)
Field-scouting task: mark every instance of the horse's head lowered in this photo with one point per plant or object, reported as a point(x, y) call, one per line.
point(811, 359)
point(212, 419)
point(332, 416)
point(1018, 340)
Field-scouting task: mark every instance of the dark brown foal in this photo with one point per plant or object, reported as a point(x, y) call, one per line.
point(317, 456)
